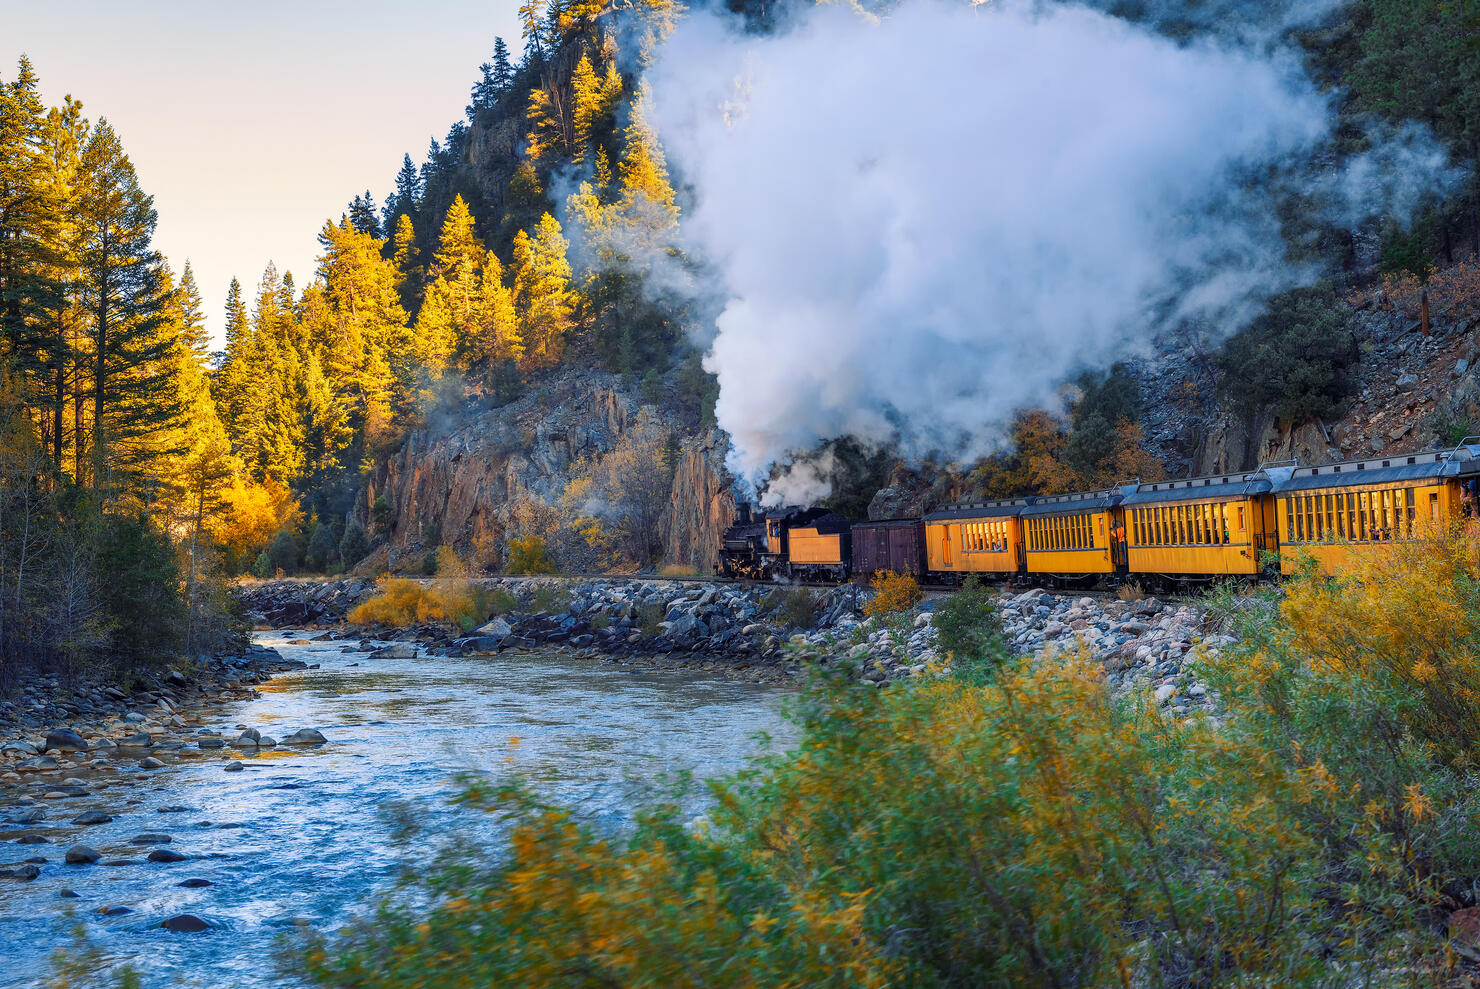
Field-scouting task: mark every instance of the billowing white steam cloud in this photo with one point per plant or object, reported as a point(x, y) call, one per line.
point(925, 221)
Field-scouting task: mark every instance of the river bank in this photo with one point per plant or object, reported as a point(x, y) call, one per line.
point(308, 836)
point(768, 634)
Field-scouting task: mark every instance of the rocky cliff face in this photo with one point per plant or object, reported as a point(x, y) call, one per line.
point(465, 482)
point(701, 506)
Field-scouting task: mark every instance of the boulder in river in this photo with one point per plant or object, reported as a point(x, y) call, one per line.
point(149, 762)
point(92, 817)
point(232, 767)
point(165, 855)
point(186, 923)
point(150, 838)
point(115, 911)
point(140, 741)
point(66, 740)
point(399, 650)
point(305, 736)
point(82, 855)
point(195, 884)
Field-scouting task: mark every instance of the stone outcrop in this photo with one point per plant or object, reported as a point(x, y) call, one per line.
point(467, 479)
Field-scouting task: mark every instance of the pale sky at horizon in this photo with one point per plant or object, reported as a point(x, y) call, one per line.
point(251, 124)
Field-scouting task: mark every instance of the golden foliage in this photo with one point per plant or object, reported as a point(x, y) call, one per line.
point(401, 602)
point(253, 514)
point(1403, 614)
point(528, 556)
point(893, 592)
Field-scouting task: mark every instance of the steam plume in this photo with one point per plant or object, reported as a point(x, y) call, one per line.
point(926, 220)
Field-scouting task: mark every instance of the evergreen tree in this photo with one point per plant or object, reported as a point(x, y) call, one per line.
point(192, 315)
point(24, 292)
point(404, 254)
point(362, 214)
point(406, 200)
point(64, 136)
point(542, 293)
point(503, 70)
point(531, 24)
point(500, 339)
point(125, 292)
point(594, 100)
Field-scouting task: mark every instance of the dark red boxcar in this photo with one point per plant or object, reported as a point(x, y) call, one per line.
point(897, 545)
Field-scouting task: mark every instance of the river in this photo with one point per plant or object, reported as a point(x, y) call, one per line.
point(309, 835)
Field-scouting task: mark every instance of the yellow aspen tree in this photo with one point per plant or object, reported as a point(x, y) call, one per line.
point(501, 339)
point(542, 294)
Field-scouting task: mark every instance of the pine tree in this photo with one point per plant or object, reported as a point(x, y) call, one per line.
point(362, 326)
point(362, 214)
point(449, 320)
point(495, 76)
point(124, 288)
point(500, 339)
point(594, 101)
point(647, 195)
point(503, 70)
point(406, 200)
point(404, 256)
point(532, 29)
point(64, 136)
point(192, 315)
point(542, 294)
point(23, 216)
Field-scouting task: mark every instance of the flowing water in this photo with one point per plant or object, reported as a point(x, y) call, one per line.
point(308, 835)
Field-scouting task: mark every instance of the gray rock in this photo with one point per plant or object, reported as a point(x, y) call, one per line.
point(1460, 367)
point(143, 740)
point(82, 855)
point(149, 762)
point(33, 815)
point(150, 838)
point(498, 628)
point(92, 817)
point(186, 923)
point(165, 855)
point(115, 911)
point(33, 839)
point(66, 740)
point(134, 718)
point(195, 884)
point(400, 650)
point(232, 767)
point(249, 735)
point(305, 736)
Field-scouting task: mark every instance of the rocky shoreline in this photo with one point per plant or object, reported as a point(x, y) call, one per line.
point(758, 632)
point(62, 741)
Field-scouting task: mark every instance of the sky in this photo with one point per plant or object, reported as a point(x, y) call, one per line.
point(253, 123)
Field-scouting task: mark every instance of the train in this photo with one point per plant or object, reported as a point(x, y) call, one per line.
point(1221, 526)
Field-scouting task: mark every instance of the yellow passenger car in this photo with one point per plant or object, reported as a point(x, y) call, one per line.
point(1073, 535)
point(1335, 511)
point(984, 537)
point(1203, 526)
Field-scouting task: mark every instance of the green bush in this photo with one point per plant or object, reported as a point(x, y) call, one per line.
point(552, 598)
point(795, 606)
point(648, 618)
point(969, 629)
point(1295, 359)
point(323, 549)
point(139, 591)
point(262, 566)
point(284, 552)
point(353, 546)
point(501, 601)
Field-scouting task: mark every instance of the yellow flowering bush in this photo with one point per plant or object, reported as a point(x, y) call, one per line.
point(893, 592)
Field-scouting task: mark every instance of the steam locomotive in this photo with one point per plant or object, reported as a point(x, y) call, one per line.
point(1223, 525)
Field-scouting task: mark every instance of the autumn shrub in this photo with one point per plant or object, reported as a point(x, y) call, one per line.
point(401, 602)
point(529, 556)
point(893, 592)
